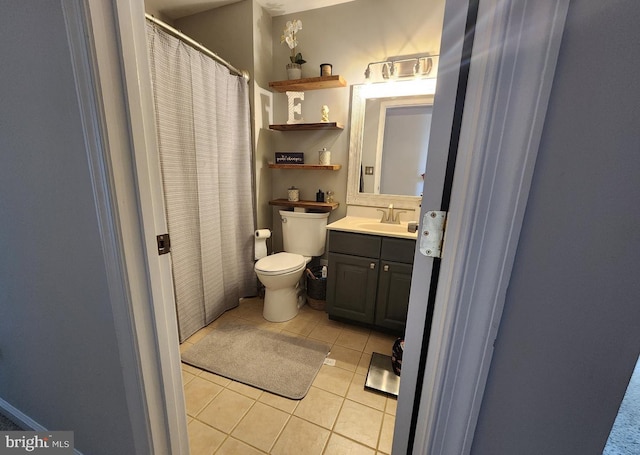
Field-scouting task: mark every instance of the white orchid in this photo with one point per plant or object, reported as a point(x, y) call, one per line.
point(289, 37)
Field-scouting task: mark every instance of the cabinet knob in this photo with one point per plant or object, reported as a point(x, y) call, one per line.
point(372, 266)
point(386, 268)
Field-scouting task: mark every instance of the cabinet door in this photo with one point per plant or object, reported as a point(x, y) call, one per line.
point(393, 295)
point(351, 287)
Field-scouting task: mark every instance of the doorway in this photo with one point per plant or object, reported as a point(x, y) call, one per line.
point(467, 196)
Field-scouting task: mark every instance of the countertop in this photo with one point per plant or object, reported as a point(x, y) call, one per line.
point(372, 226)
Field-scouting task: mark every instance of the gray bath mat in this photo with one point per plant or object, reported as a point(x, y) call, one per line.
point(280, 364)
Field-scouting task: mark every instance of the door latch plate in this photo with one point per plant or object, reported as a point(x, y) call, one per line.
point(164, 243)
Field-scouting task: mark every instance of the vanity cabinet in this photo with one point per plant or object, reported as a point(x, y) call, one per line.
point(369, 279)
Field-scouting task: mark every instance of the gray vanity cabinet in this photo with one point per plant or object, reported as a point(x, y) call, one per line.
point(369, 279)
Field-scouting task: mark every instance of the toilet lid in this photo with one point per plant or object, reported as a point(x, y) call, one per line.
point(280, 263)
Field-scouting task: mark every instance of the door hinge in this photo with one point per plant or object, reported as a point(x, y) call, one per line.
point(432, 233)
point(164, 243)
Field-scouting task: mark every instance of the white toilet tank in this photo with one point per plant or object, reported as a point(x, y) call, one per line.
point(304, 233)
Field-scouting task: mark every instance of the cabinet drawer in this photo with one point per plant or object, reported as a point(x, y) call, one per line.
point(398, 250)
point(354, 244)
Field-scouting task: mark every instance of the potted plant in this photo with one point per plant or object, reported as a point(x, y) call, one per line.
point(294, 69)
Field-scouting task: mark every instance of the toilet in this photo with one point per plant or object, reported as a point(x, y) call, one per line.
point(304, 236)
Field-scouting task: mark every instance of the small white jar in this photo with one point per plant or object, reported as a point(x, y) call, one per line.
point(324, 157)
point(293, 194)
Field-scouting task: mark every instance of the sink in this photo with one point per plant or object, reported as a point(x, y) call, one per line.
point(383, 227)
point(372, 226)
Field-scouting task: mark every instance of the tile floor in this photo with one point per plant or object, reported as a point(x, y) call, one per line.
point(338, 416)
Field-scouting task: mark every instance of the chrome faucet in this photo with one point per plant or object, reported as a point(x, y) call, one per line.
point(391, 217)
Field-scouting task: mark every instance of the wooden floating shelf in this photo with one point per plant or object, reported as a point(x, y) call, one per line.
point(307, 126)
point(308, 83)
point(322, 206)
point(315, 167)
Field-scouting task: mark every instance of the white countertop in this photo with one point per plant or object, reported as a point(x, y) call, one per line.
point(372, 226)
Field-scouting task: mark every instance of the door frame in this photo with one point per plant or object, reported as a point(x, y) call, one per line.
point(117, 114)
point(509, 85)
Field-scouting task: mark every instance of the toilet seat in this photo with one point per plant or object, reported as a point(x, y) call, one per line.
point(280, 263)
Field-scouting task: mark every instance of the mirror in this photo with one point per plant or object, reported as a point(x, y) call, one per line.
point(390, 126)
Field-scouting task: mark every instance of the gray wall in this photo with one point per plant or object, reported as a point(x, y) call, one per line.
point(569, 336)
point(349, 36)
point(227, 31)
point(59, 361)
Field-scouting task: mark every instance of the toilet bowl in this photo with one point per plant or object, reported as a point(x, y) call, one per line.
point(304, 236)
point(281, 274)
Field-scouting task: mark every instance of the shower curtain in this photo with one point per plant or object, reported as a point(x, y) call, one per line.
point(203, 132)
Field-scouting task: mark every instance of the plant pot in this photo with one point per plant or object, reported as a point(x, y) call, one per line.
point(294, 71)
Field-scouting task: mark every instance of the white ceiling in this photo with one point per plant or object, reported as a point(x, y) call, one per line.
point(175, 9)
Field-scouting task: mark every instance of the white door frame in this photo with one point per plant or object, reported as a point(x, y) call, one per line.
point(515, 51)
point(131, 25)
point(508, 89)
point(111, 70)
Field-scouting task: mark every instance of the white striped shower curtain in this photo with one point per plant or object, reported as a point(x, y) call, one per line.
point(203, 132)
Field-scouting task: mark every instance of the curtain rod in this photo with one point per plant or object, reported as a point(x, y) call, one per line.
point(178, 34)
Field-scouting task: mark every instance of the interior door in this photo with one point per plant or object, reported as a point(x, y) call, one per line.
point(504, 86)
point(456, 46)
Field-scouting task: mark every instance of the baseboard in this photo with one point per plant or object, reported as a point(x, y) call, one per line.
point(23, 420)
point(19, 417)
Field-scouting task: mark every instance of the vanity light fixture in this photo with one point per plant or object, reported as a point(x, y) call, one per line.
point(424, 66)
point(386, 70)
point(421, 66)
point(387, 67)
